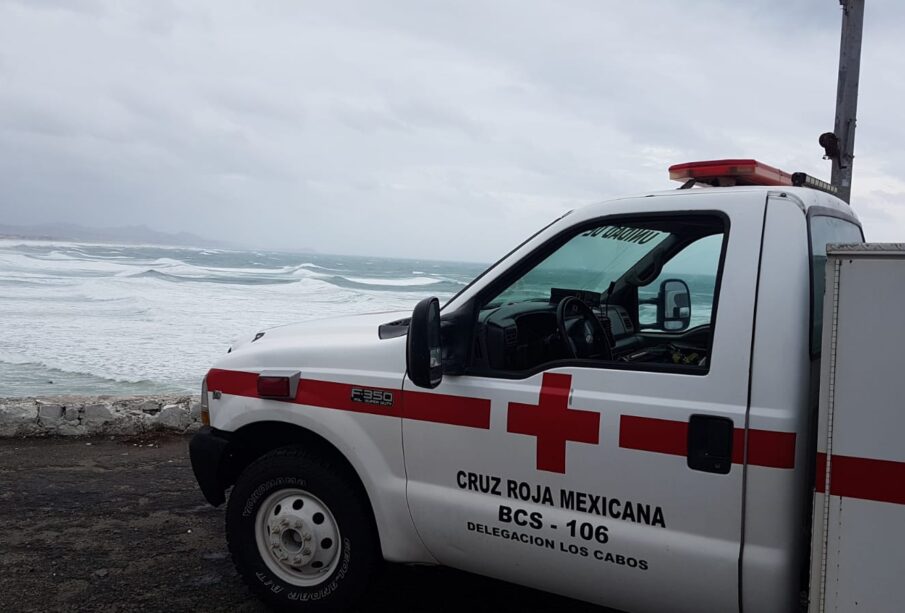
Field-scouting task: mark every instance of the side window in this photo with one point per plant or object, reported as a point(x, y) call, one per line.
point(696, 265)
point(825, 231)
point(582, 298)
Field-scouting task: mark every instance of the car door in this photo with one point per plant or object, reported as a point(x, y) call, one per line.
point(577, 476)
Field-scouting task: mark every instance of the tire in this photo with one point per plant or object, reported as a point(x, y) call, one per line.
point(300, 535)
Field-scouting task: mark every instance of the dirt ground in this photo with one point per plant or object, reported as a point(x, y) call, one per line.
point(120, 525)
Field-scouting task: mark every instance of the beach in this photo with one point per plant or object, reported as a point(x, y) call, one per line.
point(117, 525)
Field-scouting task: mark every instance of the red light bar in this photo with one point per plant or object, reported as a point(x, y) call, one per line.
point(273, 387)
point(730, 172)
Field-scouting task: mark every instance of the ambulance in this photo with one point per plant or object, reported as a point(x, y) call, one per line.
point(685, 401)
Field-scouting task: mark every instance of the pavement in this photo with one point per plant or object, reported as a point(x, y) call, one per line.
point(118, 524)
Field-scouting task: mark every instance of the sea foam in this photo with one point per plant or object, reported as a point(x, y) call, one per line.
point(144, 319)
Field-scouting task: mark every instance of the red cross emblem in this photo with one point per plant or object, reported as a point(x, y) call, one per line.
point(553, 422)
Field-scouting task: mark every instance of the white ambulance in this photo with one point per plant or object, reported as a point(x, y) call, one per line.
point(623, 410)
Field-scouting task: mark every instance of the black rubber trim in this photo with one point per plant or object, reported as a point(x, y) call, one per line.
point(207, 450)
point(744, 500)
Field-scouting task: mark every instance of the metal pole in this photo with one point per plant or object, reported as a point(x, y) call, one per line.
point(847, 94)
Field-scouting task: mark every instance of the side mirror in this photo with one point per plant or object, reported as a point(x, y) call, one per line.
point(423, 353)
point(673, 306)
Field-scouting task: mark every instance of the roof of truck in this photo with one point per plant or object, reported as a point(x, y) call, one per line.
point(806, 196)
point(750, 175)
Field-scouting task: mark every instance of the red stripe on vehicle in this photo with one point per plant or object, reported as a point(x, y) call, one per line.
point(444, 409)
point(332, 395)
point(235, 382)
point(421, 406)
point(765, 447)
point(863, 478)
point(657, 435)
point(820, 477)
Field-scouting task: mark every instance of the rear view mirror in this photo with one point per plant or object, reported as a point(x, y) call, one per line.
point(423, 355)
point(673, 306)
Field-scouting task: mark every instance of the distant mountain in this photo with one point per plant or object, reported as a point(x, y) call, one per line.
point(122, 234)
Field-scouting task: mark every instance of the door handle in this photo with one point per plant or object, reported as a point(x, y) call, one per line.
point(710, 443)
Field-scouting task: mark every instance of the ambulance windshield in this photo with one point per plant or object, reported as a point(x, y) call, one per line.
point(589, 261)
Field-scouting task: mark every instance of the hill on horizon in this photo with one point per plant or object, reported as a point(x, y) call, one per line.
point(139, 234)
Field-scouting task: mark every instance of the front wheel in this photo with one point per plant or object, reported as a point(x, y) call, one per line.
point(299, 534)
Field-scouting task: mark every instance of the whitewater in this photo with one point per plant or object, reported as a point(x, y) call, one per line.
point(124, 319)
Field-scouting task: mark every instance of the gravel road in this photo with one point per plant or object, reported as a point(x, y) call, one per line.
point(119, 525)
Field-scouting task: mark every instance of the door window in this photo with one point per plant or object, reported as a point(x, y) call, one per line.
point(637, 293)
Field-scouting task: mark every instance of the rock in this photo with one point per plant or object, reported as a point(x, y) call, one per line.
point(193, 428)
point(70, 428)
point(149, 406)
point(101, 572)
point(173, 417)
point(19, 419)
point(49, 412)
point(106, 415)
point(195, 411)
point(97, 413)
point(127, 425)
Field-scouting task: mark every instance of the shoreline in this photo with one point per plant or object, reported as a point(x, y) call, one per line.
point(91, 415)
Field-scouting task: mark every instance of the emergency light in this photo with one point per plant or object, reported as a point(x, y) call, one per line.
point(725, 173)
point(730, 172)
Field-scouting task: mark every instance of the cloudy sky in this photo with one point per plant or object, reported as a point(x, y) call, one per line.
point(425, 129)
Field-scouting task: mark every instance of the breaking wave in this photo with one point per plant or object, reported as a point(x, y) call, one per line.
point(137, 318)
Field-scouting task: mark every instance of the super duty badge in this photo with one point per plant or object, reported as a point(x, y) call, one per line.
point(364, 395)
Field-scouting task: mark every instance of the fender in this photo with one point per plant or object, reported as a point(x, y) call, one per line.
point(372, 444)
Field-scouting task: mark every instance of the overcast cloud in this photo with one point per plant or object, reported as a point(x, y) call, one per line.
point(424, 129)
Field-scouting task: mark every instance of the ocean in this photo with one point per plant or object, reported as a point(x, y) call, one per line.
point(126, 319)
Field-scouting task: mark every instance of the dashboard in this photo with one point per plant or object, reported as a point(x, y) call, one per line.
point(520, 336)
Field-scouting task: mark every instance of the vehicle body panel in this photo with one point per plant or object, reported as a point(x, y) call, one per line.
point(774, 539)
point(858, 546)
point(693, 561)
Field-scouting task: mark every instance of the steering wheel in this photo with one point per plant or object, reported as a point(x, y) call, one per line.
point(581, 330)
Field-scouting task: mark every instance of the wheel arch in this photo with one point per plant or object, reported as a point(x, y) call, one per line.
point(256, 439)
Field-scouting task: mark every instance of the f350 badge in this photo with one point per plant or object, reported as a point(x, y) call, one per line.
point(366, 395)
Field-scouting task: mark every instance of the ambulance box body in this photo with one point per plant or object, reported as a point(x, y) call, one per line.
point(858, 549)
point(622, 410)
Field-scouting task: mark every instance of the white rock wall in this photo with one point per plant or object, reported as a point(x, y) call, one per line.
point(91, 415)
